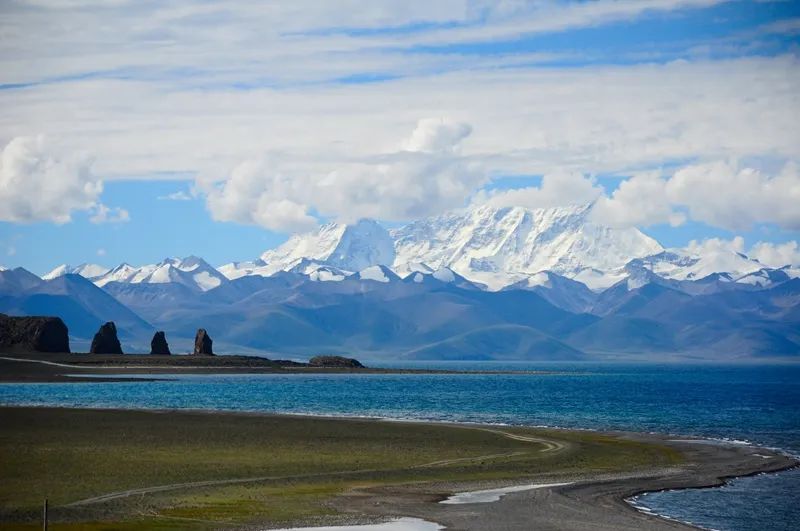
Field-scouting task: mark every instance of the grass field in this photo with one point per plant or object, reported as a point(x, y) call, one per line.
point(270, 469)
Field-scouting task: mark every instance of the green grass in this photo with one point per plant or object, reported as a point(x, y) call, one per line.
point(70, 454)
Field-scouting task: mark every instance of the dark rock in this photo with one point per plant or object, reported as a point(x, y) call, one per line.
point(39, 334)
point(159, 344)
point(202, 343)
point(335, 361)
point(105, 340)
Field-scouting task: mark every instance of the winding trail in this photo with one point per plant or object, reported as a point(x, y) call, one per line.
point(549, 446)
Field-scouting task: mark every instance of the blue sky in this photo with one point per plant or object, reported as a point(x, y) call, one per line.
point(273, 121)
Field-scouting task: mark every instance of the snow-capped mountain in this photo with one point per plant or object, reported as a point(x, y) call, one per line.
point(89, 271)
point(192, 271)
point(420, 292)
point(676, 264)
point(494, 248)
point(500, 246)
point(349, 248)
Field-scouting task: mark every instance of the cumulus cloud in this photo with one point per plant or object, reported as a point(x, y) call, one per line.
point(726, 195)
point(721, 194)
point(556, 189)
point(776, 254)
point(434, 135)
point(428, 176)
point(103, 214)
point(37, 184)
point(256, 193)
point(716, 245)
point(638, 201)
point(770, 254)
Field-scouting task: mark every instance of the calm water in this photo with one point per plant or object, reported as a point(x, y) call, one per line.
point(760, 404)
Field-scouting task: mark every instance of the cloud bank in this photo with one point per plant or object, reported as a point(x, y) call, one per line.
point(426, 176)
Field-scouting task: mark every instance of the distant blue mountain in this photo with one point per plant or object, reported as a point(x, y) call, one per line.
point(434, 317)
point(81, 305)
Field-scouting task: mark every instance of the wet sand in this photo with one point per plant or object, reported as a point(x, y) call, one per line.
point(586, 503)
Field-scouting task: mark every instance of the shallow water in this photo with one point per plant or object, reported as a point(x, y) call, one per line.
point(401, 524)
point(493, 495)
point(744, 402)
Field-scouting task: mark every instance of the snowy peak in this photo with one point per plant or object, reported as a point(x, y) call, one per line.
point(192, 271)
point(345, 247)
point(317, 272)
point(677, 264)
point(89, 271)
point(499, 246)
point(234, 270)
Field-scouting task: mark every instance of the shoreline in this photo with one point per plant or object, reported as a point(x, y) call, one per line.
point(589, 501)
point(66, 368)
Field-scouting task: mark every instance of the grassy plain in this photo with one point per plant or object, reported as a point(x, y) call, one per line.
point(259, 469)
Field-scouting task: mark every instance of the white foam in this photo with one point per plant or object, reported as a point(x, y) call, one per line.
point(493, 495)
point(402, 524)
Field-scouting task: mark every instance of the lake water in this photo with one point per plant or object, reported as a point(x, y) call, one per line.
point(759, 404)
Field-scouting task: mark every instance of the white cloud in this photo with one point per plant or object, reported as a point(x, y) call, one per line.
point(638, 201)
point(716, 245)
point(434, 135)
point(398, 185)
point(37, 184)
point(556, 189)
point(104, 214)
point(723, 194)
point(180, 195)
point(776, 254)
point(254, 83)
point(101, 252)
point(770, 254)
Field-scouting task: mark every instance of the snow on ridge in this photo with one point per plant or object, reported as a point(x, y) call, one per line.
point(500, 246)
point(495, 247)
point(375, 273)
point(85, 270)
point(347, 247)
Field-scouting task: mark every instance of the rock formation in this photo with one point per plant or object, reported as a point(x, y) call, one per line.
point(38, 334)
point(335, 361)
point(105, 340)
point(159, 344)
point(202, 343)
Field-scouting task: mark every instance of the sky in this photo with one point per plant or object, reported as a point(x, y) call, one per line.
point(131, 131)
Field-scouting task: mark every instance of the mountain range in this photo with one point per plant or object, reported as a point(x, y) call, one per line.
point(481, 283)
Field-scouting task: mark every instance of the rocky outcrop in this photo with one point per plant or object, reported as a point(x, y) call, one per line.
point(202, 344)
point(35, 334)
point(159, 344)
point(335, 361)
point(105, 341)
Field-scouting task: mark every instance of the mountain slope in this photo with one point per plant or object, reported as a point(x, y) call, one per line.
point(345, 247)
